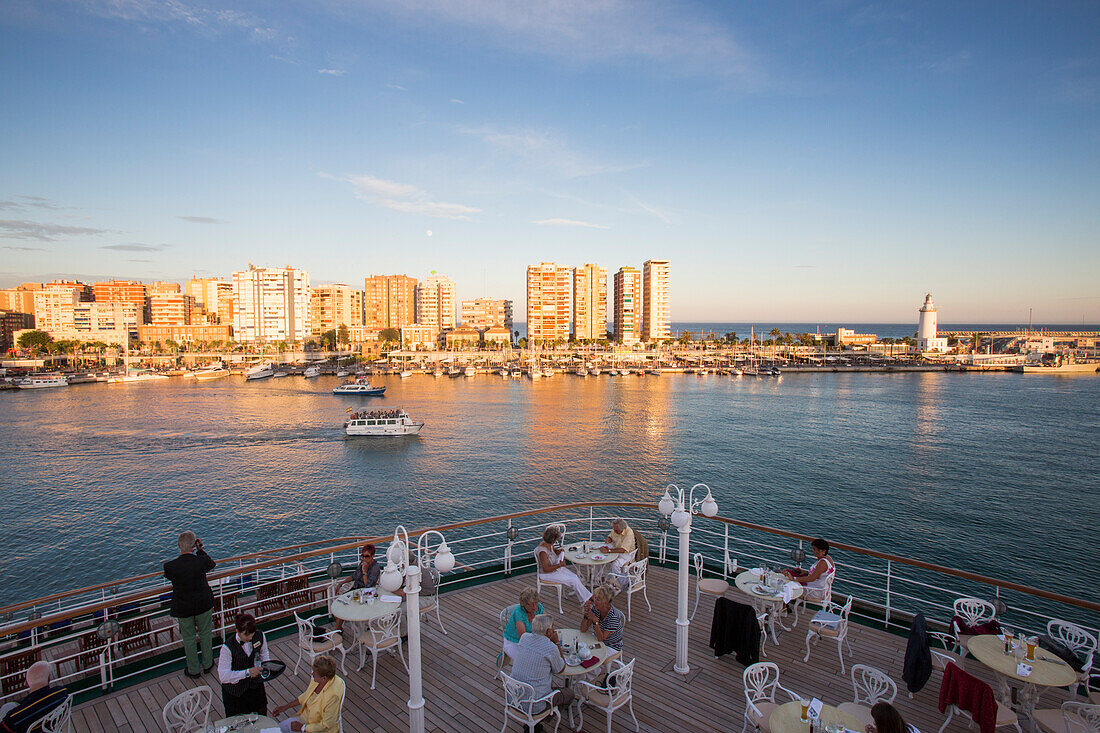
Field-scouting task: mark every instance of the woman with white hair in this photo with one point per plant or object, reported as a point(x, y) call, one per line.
point(551, 562)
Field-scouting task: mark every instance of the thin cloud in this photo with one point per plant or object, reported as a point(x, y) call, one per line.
point(136, 247)
point(654, 211)
point(545, 150)
point(569, 223)
point(670, 37)
point(403, 197)
point(23, 229)
point(26, 249)
point(457, 101)
point(139, 260)
point(195, 17)
point(201, 219)
point(398, 87)
point(332, 72)
point(37, 202)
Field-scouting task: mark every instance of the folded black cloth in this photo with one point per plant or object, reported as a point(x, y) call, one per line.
point(1061, 651)
point(735, 629)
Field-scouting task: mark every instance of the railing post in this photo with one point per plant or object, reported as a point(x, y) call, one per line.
point(726, 555)
point(508, 552)
point(591, 516)
point(889, 575)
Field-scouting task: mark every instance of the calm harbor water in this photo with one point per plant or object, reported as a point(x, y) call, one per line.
point(994, 473)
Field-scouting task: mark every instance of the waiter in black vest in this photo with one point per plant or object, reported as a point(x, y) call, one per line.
point(239, 669)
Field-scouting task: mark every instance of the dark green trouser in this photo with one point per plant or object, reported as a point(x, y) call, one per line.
point(202, 624)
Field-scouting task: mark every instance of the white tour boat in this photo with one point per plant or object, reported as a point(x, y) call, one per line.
point(210, 371)
point(381, 423)
point(405, 374)
point(260, 371)
point(313, 371)
point(470, 371)
point(359, 387)
point(52, 380)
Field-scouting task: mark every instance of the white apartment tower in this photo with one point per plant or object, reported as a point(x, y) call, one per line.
point(589, 303)
point(628, 305)
point(436, 304)
point(655, 318)
point(272, 304)
point(547, 302)
point(54, 305)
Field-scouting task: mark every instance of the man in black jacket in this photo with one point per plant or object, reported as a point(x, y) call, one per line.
point(192, 601)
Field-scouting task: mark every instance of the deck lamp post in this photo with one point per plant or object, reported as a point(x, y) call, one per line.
point(399, 568)
point(681, 514)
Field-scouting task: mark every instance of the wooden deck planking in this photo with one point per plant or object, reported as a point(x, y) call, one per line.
point(463, 693)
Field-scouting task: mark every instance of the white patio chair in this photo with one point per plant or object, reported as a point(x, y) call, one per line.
point(972, 611)
point(312, 648)
point(520, 701)
point(430, 602)
point(188, 711)
point(1072, 717)
point(760, 681)
point(1005, 716)
point(609, 698)
point(58, 720)
point(870, 686)
point(950, 653)
point(635, 573)
point(505, 614)
point(715, 587)
point(818, 596)
point(381, 634)
point(1078, 641)
point(539, 582)
point(831, 622)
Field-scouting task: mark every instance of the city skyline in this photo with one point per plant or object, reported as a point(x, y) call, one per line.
point(799, 163)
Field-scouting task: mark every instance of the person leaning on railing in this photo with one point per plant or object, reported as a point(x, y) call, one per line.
point(319, 705)
point(192, 601)
point(42, 697)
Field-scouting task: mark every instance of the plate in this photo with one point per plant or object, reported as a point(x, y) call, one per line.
point(572, 661)
point(581, 556)
point(598, 557)
point(762, 590)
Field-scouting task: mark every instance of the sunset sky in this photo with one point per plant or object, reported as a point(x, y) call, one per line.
point(795, 161)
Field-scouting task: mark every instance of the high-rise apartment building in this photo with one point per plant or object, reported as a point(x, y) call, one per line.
point(213, 299)
point(389, 301)
point(482, 313)
point(123, 291)
point(170, 308)
point(589, 303)
point(655, 314)
point(628, 305)
point(436, 304)
point(54, 305)
point(332, 306)
point(547, 302)
point(107, 316)
point(272, 304)
point(19, 299)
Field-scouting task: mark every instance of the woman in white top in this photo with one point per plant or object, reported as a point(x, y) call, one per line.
point(551, 562)
point(821, 573)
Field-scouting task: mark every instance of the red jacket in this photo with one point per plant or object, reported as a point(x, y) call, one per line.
point(969, 693)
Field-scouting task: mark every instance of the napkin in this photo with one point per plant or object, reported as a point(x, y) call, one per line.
point(590, 662)
point(756, 571)
point(789, 589)
point(389, 599)
point(269, 730)
point(1023, 669)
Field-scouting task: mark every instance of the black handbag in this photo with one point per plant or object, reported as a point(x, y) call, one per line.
point(1061, 651)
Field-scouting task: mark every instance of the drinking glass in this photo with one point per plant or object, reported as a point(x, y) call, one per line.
point(1031, 642)
point(805, 707)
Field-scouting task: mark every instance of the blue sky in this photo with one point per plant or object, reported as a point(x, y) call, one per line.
point(795, 161)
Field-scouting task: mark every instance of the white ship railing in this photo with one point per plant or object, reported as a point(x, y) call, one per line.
point(276, 583)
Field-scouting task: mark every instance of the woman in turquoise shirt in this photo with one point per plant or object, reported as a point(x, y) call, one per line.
point(519, 622)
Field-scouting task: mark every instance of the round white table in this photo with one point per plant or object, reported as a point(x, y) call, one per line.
point(787, 718)
point(1047, 670)
point(345, 607)
point(749, 583)
point(599, 650)
point(259, 723)
point(591, 559)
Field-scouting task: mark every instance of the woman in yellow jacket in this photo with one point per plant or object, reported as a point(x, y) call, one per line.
point(320, 704)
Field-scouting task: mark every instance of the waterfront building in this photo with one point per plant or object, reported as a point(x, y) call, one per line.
point(496, 336)
point(54, 305)
point(170, 308)
point(20, 298)
point(848, 337)
point(482, 313)
point(111, 322)
point(628, 305)
point(213, 299)
point(416, 336)
point(927, 339)
point(463, 336)
point(589, 303)
point(10, 322)
point(655, 311)
point(332, 306)
point(436, 303)
point(389, 301)
point(181, 334)
point(133, 292)
point(272, 304)
point(547, 302)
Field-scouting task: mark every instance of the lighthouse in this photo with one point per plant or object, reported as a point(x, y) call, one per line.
point(926, 327)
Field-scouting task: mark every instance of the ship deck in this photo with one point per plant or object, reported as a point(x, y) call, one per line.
point(463, 693)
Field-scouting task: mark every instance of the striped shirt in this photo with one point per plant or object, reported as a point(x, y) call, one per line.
point(613, 625)
point(32, 708)
point(536, 660)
